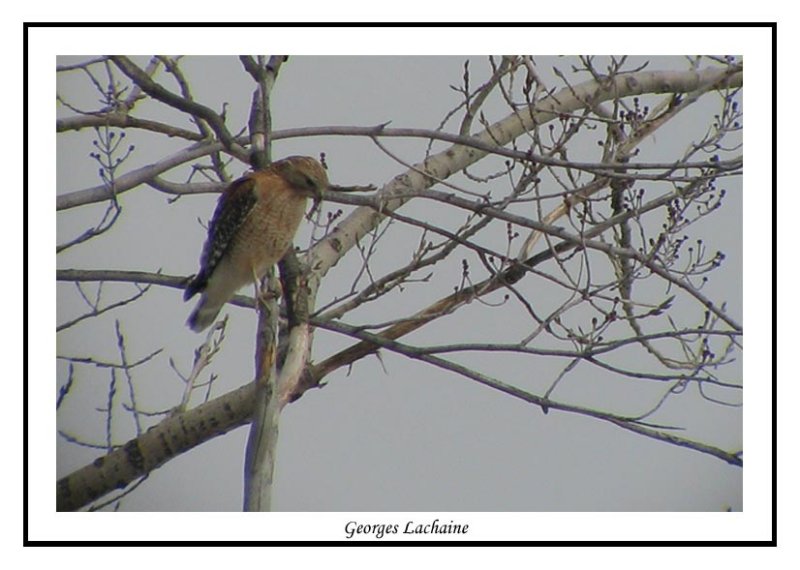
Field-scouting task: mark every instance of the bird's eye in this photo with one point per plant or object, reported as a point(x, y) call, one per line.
point(310, 181)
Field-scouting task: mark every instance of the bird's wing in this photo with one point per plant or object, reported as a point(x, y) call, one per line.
point(233, 207)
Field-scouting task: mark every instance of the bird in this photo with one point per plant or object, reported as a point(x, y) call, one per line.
point(252, 228)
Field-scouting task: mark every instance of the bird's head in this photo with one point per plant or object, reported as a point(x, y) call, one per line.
point(305, 174)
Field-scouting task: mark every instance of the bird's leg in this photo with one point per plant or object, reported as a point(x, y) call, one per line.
point(264, 297)
point(258, 296)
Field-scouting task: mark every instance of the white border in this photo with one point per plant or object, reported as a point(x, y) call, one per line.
point(45, 43)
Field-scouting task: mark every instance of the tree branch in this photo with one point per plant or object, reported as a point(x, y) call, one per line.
point(159, 444)
point(158, 92)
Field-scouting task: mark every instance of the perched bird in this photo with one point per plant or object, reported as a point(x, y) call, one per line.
point(252, 228)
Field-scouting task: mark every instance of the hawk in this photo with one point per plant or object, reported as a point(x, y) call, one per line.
point(252, 228)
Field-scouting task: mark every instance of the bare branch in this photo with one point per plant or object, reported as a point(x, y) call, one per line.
point(158, 92)
point(125, 121)
point(624, 422)
point(136, 177)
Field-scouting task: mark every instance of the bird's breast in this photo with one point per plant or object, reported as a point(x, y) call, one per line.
point(268, 233)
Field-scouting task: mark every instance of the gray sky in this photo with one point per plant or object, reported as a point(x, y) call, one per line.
point(395, 435)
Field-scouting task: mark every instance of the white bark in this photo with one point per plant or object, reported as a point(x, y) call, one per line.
point(457, 157)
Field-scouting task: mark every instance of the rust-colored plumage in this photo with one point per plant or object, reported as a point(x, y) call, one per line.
point(252, 228)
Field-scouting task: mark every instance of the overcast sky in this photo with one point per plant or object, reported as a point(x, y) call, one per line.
point(390, 435)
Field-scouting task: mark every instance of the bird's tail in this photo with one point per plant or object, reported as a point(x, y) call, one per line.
point(203, 315)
